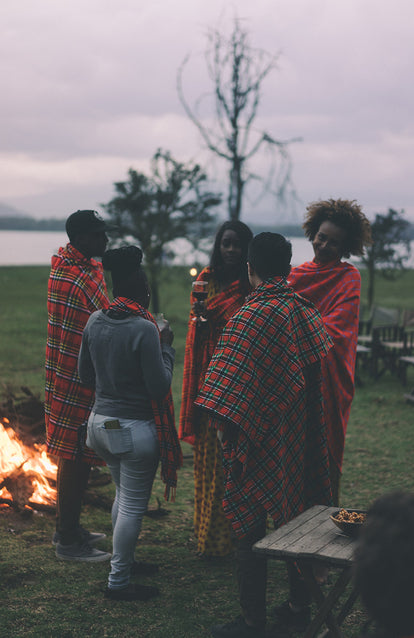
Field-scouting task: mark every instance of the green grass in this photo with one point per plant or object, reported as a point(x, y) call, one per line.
point(46, 598)
point(23, 321)
point(391, 293)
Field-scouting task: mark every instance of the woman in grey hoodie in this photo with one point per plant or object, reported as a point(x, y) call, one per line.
point(130, 362)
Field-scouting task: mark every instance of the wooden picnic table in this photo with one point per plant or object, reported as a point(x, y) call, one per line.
point(312, 537)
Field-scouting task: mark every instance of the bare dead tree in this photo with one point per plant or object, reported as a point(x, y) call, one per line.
point(237, 71)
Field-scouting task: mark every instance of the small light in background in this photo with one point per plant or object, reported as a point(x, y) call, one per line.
point(193, 272)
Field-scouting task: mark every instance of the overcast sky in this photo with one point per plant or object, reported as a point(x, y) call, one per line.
point(89, 90)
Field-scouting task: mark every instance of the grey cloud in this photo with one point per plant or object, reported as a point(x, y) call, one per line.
point(90, 78)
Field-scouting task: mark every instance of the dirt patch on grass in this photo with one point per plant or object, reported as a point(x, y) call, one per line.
point(10, 579)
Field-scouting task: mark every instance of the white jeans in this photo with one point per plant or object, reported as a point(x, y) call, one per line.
point(131, 454)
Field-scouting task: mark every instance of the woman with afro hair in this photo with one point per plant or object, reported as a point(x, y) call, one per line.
point(337, 229)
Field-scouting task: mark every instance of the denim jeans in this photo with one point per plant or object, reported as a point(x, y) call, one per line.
point(131, 454)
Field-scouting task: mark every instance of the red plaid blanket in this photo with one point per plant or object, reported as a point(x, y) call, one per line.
point(335, 290)
point(264, 383)
point(200, 343)
point(76, 289)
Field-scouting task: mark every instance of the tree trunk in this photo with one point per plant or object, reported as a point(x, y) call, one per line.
point(371, 284)
point(155, 297)
point(235, 189)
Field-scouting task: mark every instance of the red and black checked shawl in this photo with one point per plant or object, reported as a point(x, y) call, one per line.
point(264, 378)
point(335, 290)
point(171, 457)
point(76, 289)
point(200, 343)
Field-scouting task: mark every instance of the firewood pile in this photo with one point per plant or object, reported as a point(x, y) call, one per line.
point(25, 413)
point(20, 485)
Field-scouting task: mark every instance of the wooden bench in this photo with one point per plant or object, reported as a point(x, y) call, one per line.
point(362, 355)
point(403, 363)
point(410, 397)
point(312, 537)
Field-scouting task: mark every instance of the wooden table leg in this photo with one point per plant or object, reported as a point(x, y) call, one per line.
point(346, 608)
point(325, 604)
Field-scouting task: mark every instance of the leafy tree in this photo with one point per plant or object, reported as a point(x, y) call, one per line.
point(171, 203)
point(237, 72)
point(390, 248)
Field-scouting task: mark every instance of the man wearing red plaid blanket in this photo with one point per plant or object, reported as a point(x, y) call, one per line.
point(263, 394)
point(76, 288)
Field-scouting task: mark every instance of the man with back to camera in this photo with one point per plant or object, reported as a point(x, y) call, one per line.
point(263, 392)
point(76, 288)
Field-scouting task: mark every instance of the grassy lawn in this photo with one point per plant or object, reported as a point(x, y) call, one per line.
point(43, 597)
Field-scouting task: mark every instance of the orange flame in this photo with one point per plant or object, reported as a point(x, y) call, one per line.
point(14, 454)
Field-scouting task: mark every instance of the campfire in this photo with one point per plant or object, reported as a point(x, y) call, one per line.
point(27, 475)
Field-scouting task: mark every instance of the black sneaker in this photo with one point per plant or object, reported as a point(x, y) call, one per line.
point(141, 568)
point(87, 537)
point(238, 628)
point(293, 620)
point(131, 592)
point(82, 552)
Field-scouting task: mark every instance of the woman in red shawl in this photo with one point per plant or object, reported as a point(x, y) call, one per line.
point(337, 229)
point(227, 288)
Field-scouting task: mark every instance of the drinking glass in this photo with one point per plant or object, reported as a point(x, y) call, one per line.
point(200, 293)
point(161, 320)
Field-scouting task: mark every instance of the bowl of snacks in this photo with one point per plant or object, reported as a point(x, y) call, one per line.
point(349, 521)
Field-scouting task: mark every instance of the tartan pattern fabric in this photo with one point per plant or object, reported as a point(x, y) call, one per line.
point(171, 457)
point(200, 343)
point(263, 385)
point(76, 288)
point(335, 290)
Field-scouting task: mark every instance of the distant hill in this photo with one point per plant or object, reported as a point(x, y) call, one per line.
point(9, 211)
point(13, 219)
point(29, 223)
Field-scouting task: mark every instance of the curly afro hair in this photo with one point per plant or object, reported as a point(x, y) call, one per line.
point(345, 214)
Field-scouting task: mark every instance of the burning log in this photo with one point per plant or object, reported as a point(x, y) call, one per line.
point(21, 485)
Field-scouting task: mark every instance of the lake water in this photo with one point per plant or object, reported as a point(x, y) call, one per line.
point(30, 248)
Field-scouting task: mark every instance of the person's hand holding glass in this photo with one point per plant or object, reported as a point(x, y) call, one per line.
point(200, 293)
point(166, 334)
